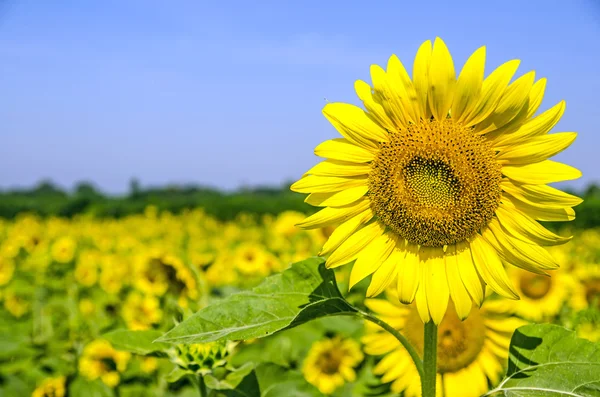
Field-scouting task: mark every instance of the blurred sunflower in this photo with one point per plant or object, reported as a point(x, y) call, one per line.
point(542, 296)
point(589, 278)
point(7, 269)
point(469, 352)
point(51, 387)
point(101, 360)
point(330, 363)
point(141, 312)
point(441, 180)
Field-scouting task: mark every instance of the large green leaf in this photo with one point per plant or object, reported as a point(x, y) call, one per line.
point(304, 292)
point(139, 342)
point(81, 387)
point(548, 360)
point(271, 380)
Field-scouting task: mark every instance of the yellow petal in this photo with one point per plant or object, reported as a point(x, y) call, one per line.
point(511, 104)
point(540, 195)
point(468, 86)
point(408, 95)
point(442, 80)
point(376, 110)
point(343, 149)
point(421, 77)
point(344, 230)
point(327, 184)
point(492, 90)
point(339, 168)
point(539, 212)
point(355, 125)
point(421, 296)
point(541, 173)
point(537, 149)
point(520, 226)
point(539, 125)
point(517, 253)
point(535, 96)
point(390, 100)
point(349, 249)
point(337, 199)
point(409, 275)
point(468, 273)
point(330, 216)
point(490, 268)
point(436, 283)
point(386, 273)
point(371, 258)
point(458, 292)
point(385, 308)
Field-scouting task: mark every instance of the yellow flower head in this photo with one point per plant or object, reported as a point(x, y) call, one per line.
point(86, 270)
point(330, 363)
point(63, 249)
point(469, 352)
point(51, 387)
point(7, 268)
point(141, 312)
point(149, 364)
point(252, 259)
point(542, 295)
point(100, 361)
point(16, 302)
point(440, 182)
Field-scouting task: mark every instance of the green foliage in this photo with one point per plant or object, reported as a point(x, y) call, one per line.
point(47, 199)
point(549, 360)
point(304, 292)
point(139, 342)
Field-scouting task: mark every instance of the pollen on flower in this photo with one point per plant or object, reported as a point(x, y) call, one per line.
point(435, 183)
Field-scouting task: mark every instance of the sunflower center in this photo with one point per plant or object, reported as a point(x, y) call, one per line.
point(592, 291)
point(459, 342)
point(535, 286)
point(329, 362)
point(435, 183)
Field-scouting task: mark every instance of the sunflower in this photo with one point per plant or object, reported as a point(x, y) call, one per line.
point(330, 363)
point(441, 180)
point(470, 353)
point(542, 296)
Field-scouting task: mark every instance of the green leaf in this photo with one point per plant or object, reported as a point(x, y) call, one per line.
point(81, 387)
point(176, 374)
point(304, 292)
point(271, 380)
point(548, 360)
point(277, 381)
point(139, 342)
point(231, 380)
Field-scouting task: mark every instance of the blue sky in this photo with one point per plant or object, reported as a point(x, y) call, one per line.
point(230, 93)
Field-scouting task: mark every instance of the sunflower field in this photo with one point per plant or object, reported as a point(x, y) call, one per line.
point(83, 299)
point(433, 266)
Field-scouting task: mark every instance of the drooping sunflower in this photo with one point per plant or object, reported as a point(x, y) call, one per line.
point(440, 181)
point(470, 353)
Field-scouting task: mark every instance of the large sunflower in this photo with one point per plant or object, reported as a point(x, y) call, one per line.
point(441, 180)
point(470, 353)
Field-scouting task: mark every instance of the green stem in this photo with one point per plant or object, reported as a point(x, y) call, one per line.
point(198, 381)
point(202, 386)
point(409, 348)
point(429, 378)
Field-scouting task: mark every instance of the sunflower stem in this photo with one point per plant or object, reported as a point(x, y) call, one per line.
point(409, 348)
point(199, 381)
point(429, 378)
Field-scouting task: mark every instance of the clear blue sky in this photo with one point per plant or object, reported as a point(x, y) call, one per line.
point(230, 93)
